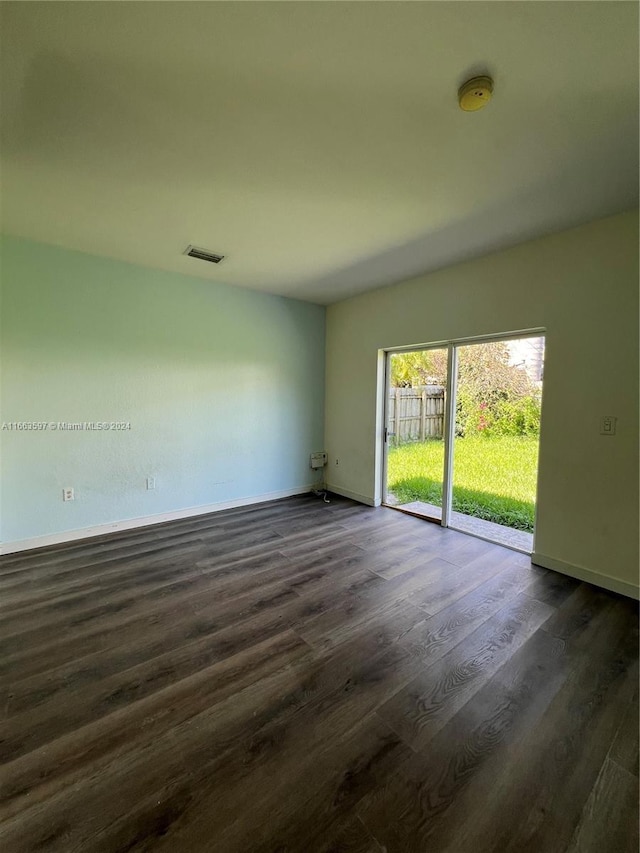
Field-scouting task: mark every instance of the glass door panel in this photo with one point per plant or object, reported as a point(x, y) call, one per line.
point(414, 437)
point(496, 438)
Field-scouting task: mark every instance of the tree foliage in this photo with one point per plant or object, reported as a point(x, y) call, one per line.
point(423, 367)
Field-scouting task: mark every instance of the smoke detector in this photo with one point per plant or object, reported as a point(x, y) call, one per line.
point(203, 254)
point(475, 94)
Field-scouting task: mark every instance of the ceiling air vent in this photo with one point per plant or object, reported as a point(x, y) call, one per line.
point(203, 254)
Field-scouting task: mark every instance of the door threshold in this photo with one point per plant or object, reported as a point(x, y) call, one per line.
point(491, 541)
point(438, 521)
point(414, 514)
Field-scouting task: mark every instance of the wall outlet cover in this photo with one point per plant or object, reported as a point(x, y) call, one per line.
point(608, 425)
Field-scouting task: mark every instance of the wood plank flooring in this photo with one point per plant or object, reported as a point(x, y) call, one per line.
point(311, 677)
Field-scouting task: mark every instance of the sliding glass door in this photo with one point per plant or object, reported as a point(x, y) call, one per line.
point(462, 435)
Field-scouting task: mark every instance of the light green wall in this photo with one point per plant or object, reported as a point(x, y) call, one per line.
point(224, 389)
point(582, 286)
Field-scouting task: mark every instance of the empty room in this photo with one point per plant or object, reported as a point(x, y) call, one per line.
point(319, 434)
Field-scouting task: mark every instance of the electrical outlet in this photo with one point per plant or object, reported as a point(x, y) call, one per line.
point(68, 494)
point(337, 461)
point(151, 483)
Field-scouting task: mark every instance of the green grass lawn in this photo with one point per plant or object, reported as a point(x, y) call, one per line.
point(494, 478)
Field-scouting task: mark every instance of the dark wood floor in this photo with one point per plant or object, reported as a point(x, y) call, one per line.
point(309, 677)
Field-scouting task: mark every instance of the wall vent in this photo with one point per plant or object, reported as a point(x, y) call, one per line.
point(203, 254)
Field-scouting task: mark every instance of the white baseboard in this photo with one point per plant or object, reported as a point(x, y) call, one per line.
point(587, 575)
point(355, 496)
point(144, 521)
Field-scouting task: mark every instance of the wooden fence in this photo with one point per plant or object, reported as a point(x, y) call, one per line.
point(415, 414)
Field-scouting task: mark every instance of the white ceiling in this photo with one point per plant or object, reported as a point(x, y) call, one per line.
point(319, 146)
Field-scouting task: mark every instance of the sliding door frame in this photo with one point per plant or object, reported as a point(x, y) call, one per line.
point(451, 390)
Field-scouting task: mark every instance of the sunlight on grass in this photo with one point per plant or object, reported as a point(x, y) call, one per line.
point(494, 478)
